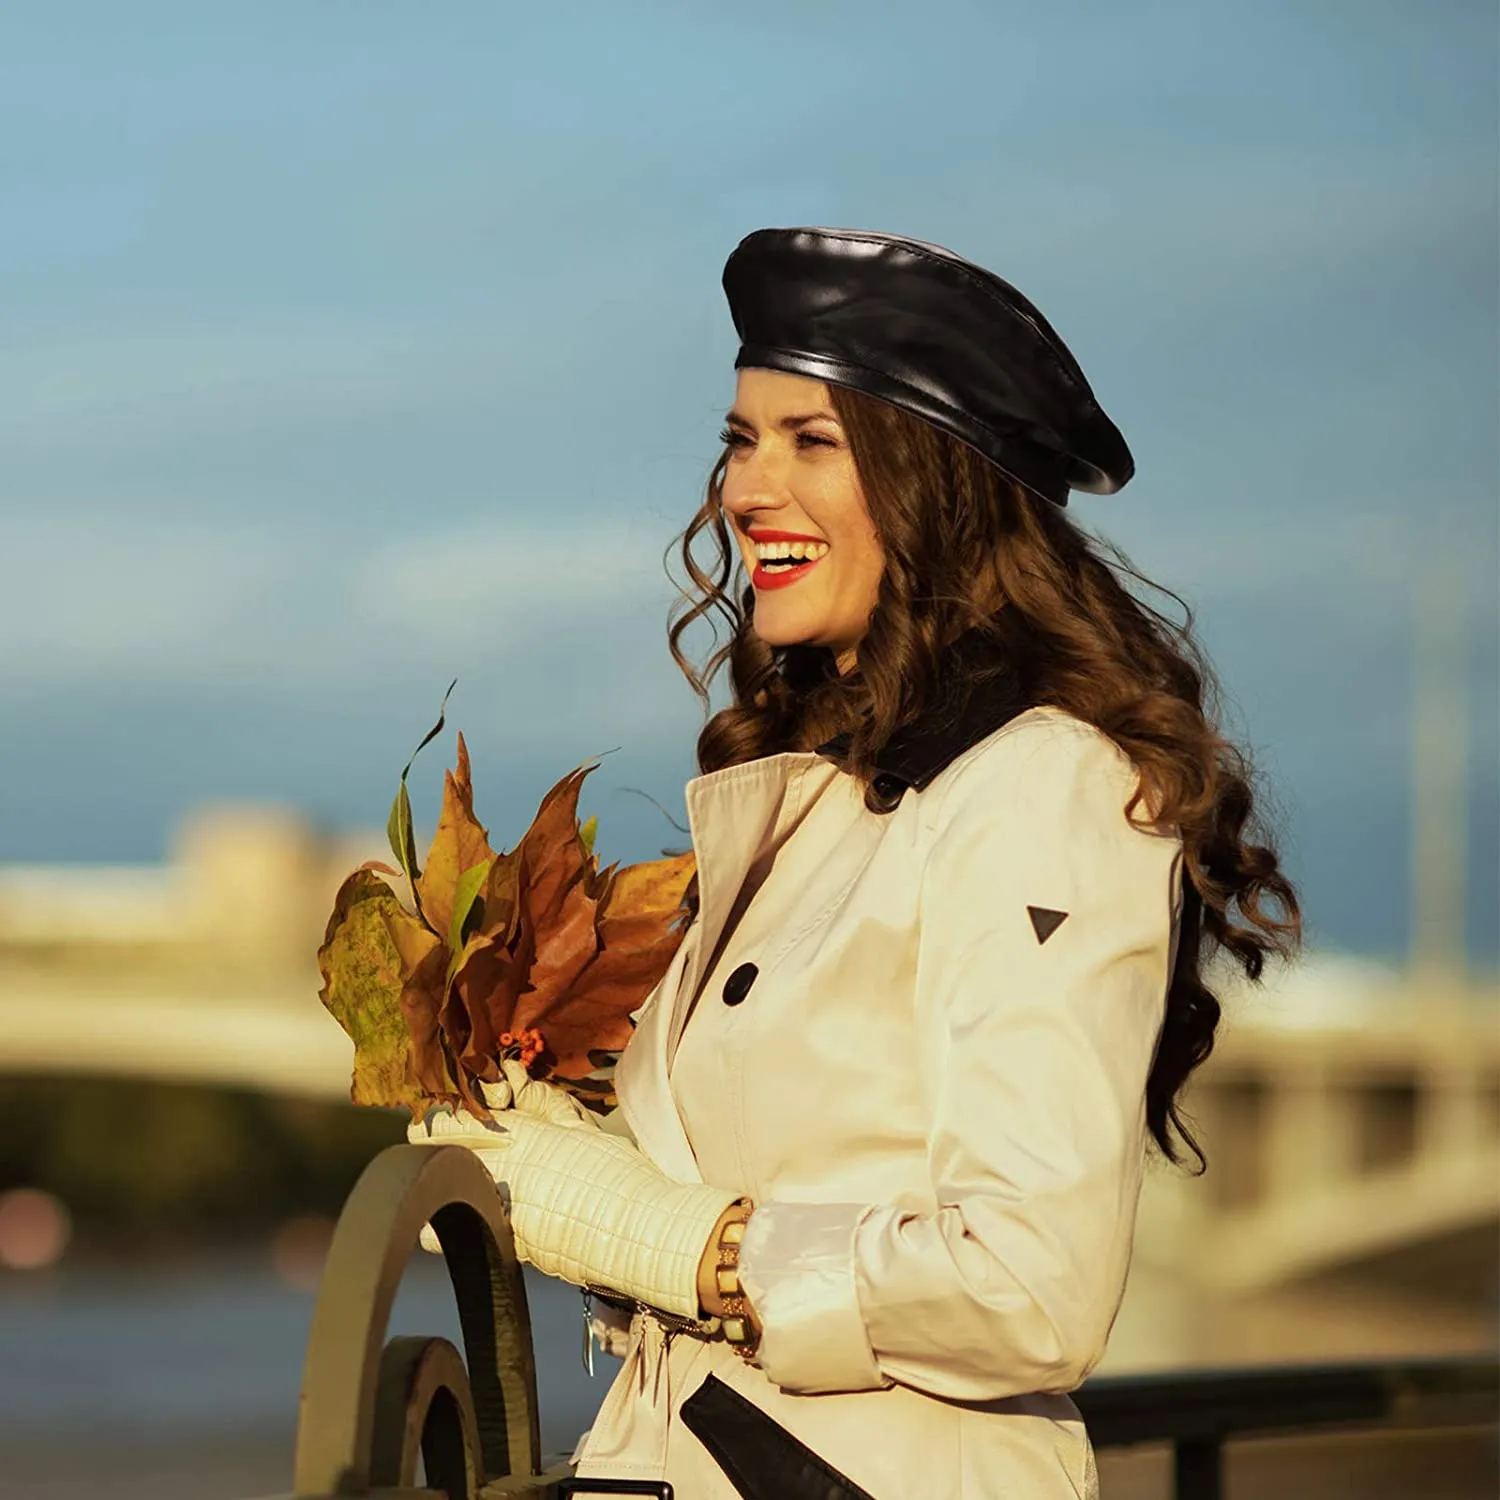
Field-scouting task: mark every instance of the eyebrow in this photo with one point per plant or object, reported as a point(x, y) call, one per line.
point(790, 423)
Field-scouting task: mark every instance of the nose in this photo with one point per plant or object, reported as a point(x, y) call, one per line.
point(756, 484)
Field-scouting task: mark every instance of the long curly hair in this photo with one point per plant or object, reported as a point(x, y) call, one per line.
point(969, 550)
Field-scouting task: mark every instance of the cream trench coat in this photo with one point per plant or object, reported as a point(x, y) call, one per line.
point(929, 1074)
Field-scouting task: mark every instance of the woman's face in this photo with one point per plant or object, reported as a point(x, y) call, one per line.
point(791, 475)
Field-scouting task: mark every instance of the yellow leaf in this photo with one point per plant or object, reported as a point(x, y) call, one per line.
point(363, 979)
point(657, 885)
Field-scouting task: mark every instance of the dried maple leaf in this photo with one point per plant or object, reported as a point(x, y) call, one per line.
point(655, 888)
point(536, 953)
point(363, 982)
point(481, 1000)
point(536, 934)
point(424, 966)
point(485, 975)
point(558, 896)
point(499, 907)
point(459, 858)
point(636, 939)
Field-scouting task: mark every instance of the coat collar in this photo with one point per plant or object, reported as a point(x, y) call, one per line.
point(746, 804)
point(966, 708)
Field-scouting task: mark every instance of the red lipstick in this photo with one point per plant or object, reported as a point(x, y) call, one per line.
point(760, 578)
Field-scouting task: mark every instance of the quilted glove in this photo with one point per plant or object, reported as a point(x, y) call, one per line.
point(585, 1205)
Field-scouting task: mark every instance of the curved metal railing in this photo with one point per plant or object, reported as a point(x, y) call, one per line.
point(371, 1407)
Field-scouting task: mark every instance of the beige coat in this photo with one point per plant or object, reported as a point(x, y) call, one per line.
point(932, 1088)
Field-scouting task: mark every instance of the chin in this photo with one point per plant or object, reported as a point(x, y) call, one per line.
point(780, 638)
point(778, 628)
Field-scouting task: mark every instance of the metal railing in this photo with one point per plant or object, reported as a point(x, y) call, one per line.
point(1197, 1412)
point(371, 1407)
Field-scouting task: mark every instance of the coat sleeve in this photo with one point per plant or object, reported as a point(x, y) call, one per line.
point(1046, 934)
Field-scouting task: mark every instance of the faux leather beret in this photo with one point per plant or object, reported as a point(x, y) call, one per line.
point(925, 330)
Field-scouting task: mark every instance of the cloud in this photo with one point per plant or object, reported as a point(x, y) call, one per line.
point(155, 601)
point(443, 590)
point(158, 603)
point(113, 597)
point(137, 386)
point(1346, 564)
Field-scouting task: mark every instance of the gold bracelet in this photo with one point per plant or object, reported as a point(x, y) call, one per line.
point(736, 1322)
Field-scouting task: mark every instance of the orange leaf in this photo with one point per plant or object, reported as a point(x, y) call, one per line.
point(552, 852)
point(637, 934)
point(501, 893)
point(459, 843)
point(595, 1013)
point(555, 896)
point(480, 1006)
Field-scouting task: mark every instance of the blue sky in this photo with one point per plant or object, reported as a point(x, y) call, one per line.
point(348, 348)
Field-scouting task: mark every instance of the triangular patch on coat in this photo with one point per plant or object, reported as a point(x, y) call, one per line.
point(1045, 921)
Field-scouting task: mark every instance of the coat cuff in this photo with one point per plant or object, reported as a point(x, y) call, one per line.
point(797, 1269)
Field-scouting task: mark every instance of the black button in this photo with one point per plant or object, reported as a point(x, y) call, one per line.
point(737, 986)
point(888, 788)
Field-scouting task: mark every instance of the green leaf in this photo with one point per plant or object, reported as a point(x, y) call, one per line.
point(398, 829)
point(362, 988)
point(586, 834)
point(470, 884)
point(402, 836)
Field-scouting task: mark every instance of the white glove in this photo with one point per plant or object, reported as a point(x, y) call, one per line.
point(517, 1090)
point(585, 1205)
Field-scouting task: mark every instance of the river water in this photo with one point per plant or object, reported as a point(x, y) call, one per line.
point(181, 1383)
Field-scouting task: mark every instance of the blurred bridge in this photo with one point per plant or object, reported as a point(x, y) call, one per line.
point(197, 970)
point(276, 1042)
point(1363, 1121)
point(1348, 1110)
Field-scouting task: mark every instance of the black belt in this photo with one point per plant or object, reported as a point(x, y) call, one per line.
point(761, 1459)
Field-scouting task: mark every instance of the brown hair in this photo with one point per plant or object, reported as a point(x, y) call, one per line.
point(966, 548)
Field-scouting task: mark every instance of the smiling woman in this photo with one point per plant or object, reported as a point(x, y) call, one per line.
point(793, 492)
point(964, 836)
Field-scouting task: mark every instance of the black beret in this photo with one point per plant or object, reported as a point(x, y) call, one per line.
point(925, 330)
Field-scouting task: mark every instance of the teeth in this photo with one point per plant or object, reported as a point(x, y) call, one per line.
point(770, 551)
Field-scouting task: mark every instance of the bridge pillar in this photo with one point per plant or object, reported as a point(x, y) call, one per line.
point(1311, 1134)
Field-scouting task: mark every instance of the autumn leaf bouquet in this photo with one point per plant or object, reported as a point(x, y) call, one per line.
point(536, 954)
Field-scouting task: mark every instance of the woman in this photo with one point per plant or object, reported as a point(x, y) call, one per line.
point(964, 838)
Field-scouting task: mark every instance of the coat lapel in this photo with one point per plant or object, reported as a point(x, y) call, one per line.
point(733, 814)
point(641, 1078)
point(733, 819)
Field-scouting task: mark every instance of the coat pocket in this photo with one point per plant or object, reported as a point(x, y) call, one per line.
point(762, 1460)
